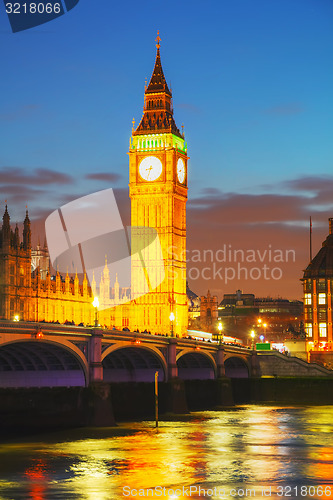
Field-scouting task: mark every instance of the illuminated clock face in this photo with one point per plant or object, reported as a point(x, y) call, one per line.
point(150, 168)
point(181, 170)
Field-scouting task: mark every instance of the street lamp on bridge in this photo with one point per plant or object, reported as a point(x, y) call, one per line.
point(265, 328)
point(219, 326)
point(96, 306)
point(252, 335)
point(172, 319)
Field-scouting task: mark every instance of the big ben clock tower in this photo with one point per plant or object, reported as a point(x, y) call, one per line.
point(158, 192)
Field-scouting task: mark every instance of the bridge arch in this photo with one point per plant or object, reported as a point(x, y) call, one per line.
point(133, 363)
point(195, 364)
point(236, 367)
point(42, 363)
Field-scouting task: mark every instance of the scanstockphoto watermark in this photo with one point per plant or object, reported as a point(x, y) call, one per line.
point(188, 491)
point(228, 263)
point(236, 492)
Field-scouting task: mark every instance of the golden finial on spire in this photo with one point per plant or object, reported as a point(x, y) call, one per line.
point(145, 84)
point(158, 39)
point(133, 123)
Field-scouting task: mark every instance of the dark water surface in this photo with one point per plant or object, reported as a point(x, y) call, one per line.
point(244, 452)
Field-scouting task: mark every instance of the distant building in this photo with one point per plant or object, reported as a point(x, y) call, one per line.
point(208, 312)
point(274, 319)
point(40, 260)
point(317, 285)
point(283, 318)
point(237, 299)
point(193, 302)
point(279, 306)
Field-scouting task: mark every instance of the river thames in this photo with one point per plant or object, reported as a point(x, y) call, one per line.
point(248, 451)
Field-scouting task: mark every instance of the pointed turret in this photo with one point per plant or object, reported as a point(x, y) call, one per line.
point(6, 227)
point(16, 237)
point(58, 282)
point(85, 285)
point(106, 281)
point(116, 290)
point(48, 281)
point(26, 232)
point(158, 112)
point(158, 82)
point(76, 284)
point(67, 282)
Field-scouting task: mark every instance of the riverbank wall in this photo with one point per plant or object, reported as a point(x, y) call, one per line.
point(284, 390)
point(37, 409)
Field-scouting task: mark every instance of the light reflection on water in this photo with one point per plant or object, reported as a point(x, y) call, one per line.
point(246, 447)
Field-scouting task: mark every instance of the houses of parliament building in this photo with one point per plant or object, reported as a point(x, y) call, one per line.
point(29, 292)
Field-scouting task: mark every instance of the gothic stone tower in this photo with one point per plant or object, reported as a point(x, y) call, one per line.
point(158, 192)
point(15, 270)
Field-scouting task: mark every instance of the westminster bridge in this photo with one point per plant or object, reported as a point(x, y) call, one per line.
point(49, 355)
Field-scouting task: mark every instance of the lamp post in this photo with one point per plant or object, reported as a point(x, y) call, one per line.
point(252, 334)
point(219, 326)
point(172, 318)
point(265, 326)
point(96, 305)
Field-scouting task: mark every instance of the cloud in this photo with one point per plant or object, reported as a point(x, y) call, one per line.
point(211, 191)
point(39, 176)
point(311, 183)
point(18, 194)
point(104, 176)
point(317, 189)
point(235, 208)
point(20, 112)
point(293, 108)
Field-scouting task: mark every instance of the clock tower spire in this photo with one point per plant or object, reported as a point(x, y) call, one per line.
point(158, 192)
point(158, 110)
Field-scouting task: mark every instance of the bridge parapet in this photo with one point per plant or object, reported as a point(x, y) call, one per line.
point(91, 346)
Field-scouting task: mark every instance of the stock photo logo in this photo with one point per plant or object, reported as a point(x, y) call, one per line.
point(87, 236)
point(26, 14)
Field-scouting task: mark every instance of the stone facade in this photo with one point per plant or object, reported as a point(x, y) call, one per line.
point(32, 294)
point(209, 312)
point(158, 192)
point(318, 301)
